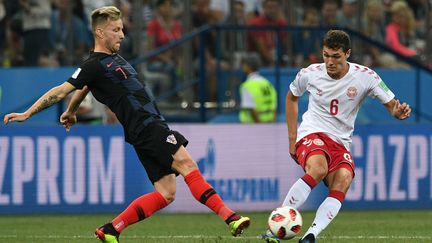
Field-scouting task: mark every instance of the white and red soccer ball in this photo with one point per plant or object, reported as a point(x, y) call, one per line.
point(285, 222)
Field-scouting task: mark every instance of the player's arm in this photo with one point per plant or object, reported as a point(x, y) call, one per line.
point(291, 113)
point(68, 118)
point(76, 99)
point(50, 98)
point(398, 110)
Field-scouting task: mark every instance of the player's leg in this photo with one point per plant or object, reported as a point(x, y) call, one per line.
point(158, 168)
point(312, 154)
point(338, 182)
point(204, 192)
point(140, 209)
point(316, 169)
point(144, 206)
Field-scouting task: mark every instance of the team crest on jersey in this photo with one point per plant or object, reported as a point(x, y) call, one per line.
point(319, 92)
point(171, 139)
point(352, 92)
point(318, 142)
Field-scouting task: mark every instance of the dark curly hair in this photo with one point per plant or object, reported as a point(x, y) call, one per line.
point(336, 39)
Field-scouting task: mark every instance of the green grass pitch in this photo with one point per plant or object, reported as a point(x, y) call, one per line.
point(349, 226)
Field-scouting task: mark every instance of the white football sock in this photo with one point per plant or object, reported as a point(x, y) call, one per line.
point(297, 195)
point(326, 212)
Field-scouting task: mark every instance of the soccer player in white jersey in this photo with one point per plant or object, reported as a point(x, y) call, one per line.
point(320, 145)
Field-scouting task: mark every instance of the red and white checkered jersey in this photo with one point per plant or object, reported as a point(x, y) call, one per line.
point(334, 104)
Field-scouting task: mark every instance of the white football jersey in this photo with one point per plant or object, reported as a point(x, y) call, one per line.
point(334, 104)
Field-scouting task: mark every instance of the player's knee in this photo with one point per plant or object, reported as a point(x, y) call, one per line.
point(317, 172)
point(342, 182)
point(185, 166)
point(316, 166)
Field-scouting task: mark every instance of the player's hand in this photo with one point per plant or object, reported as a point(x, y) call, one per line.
point(401, 111)
point(68, 119)
point(15, 117)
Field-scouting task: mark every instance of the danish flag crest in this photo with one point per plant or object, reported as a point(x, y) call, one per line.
point(351, 92)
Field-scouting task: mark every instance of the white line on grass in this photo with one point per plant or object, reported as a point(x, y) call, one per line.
point(380, 237)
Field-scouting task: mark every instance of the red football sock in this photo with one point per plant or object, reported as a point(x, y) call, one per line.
point(338, 195)
point(309, 180)
point(205, 194)
point(141, 208)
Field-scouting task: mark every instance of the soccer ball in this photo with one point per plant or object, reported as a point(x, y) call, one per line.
point(285, 222)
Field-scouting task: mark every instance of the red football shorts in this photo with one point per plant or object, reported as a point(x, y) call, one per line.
point(337, 155)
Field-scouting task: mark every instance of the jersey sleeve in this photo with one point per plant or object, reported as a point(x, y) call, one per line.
point(380, 91)
point(299, 85)
point(83, 75)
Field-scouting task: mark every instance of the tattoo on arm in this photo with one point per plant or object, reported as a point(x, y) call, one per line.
point(51, 100)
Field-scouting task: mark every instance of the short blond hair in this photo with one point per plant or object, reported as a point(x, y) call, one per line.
point(398, 6)
point(104, 14)
point(408, 24)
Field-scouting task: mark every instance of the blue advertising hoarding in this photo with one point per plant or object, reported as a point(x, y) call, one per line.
point(91, 169)
point(46, 169)
point(393, 167)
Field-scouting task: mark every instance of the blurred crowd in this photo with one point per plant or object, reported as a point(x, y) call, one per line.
point(54, 33)
point(57, 32)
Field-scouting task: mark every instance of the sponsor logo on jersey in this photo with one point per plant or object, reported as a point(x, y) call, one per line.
point(318, 142)
point(351, 92)
point(171, 139)
point(319, 92)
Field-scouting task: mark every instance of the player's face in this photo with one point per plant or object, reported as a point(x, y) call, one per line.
point(113, 35)
point(336, 62)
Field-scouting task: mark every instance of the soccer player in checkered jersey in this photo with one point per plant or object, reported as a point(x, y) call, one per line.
point(113, 81)
point(321, 144)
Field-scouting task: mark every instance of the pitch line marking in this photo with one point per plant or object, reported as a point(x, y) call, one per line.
point(382, 237)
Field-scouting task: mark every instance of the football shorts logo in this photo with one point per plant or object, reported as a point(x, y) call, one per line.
point(351, 92)
point(318, 142)
point(171, 139)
